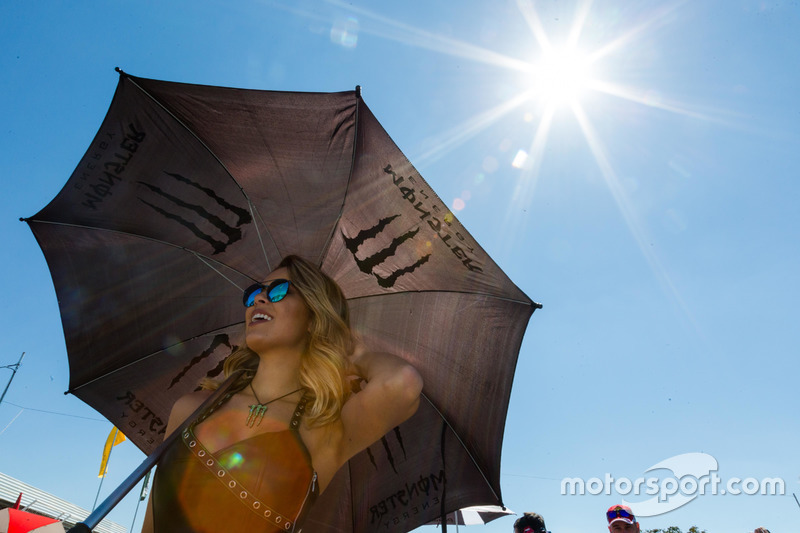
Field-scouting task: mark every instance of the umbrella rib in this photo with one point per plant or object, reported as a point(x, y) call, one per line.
point(531, 303)
point(463, 446)
point(202, 257)
point(145, 357)
point(202, 143)
point(329, 240)
point(253, 213)
point(212, 267)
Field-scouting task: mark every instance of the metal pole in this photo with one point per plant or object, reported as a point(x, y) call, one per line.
point(150, 461)
point(14, 369)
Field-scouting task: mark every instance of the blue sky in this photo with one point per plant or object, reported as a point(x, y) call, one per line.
point(655, 216)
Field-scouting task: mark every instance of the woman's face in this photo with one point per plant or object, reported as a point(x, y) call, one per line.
point(277, 325)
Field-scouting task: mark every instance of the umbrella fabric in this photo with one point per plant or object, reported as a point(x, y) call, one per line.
point(188, 193)
point(474, 516)
point(17, 521)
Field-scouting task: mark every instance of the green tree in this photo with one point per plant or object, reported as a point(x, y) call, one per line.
point(675, 529)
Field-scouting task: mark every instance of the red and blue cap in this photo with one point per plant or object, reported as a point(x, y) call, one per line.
point(616, 513)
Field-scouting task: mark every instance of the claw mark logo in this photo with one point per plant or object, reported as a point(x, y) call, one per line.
point(143, 420)
point(231, 233)
point(215, 343)
point(368, 264)
point(388, 450)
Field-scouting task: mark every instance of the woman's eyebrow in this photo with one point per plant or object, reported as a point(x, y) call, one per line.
point(268, 281)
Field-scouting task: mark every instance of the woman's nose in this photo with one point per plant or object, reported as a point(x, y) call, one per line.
point(261, 297)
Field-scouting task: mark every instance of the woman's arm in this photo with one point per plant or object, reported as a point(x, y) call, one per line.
point(389, 398)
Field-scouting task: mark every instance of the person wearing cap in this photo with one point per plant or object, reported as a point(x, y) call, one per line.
point(621, 520)
point(530, 523)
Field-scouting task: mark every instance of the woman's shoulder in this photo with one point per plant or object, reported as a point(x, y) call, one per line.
point(185, 406)
point(190, 402)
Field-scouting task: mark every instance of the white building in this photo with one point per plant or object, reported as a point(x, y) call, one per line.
point(42, 503)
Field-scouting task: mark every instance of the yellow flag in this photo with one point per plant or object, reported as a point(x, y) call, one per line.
point(114, 438)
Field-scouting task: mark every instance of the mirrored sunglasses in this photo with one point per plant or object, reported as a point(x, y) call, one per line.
point(276, 291)
point(619, 513)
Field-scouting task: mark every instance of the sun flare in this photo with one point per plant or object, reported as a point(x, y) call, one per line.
point(561, 77)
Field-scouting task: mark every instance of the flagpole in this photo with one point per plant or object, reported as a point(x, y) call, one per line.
point(142, 496)
point(96, 496)
point(103, 473)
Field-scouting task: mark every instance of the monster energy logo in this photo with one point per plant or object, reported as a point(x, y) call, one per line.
point(369, 264)
point(231, 233)
point(216, 342)
point(387, 448)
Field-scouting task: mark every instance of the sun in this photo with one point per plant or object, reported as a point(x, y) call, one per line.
point(561, 77)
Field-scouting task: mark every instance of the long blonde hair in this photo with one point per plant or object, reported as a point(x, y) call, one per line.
point(324, 364)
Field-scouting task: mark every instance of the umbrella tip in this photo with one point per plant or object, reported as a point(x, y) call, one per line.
point(358, 91)
point(119, 70)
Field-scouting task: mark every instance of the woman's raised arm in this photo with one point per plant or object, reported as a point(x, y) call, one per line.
point(389, 397)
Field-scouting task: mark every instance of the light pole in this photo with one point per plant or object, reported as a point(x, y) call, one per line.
point(14, 369)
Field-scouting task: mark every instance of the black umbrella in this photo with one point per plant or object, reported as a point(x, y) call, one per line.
point(188, 193)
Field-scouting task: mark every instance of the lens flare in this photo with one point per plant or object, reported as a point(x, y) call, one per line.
point(520, 159)
point(233, 461)
point(345, 32)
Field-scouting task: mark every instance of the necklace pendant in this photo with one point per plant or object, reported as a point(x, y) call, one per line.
point(256, 415)
point(257, 410)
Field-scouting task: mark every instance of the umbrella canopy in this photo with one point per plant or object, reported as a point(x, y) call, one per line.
point(188, 193)
point(17, 521)
point(474, 516)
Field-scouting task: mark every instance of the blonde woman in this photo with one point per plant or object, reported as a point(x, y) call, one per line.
point(256, 461)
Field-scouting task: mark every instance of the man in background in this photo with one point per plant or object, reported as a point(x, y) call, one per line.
point(621, 520)
point(530, 523)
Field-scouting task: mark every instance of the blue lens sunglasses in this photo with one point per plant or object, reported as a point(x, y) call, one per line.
point(275, 291)
point(619, 513)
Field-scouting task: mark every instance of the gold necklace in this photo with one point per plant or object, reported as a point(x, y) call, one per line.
point(257, 411)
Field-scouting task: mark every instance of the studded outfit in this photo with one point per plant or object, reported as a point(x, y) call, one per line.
point(262, 484)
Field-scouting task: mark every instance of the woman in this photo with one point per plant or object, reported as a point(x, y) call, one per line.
point(257, 459)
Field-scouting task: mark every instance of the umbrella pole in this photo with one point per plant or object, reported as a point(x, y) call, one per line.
point(444, 486)
point(150, 461)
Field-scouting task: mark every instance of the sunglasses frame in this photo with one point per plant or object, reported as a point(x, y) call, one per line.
point(619, 513)
point(250, 293)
